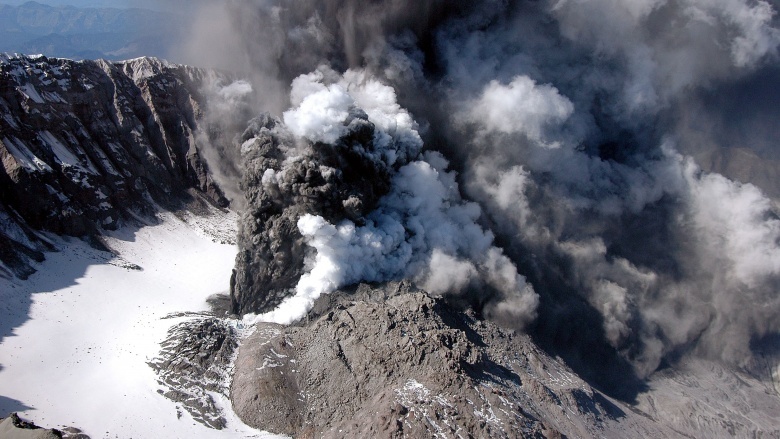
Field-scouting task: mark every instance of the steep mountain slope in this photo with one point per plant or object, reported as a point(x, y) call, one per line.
point(85, 144)
point(389, 361)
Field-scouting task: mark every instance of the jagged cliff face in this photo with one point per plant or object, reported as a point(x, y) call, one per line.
point(84, 144)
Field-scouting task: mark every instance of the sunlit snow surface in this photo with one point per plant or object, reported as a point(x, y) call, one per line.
point(79, 357)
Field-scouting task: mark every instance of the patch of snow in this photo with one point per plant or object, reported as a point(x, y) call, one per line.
point(60, 196)
point(486, 412)
point(31, 93)
point(80, 357)
point(11, 120)
point(23, 156)
point(64, 155)
point(417, 399)
point(11, 229)
point(267, 362)
point(54, 96)
point(104, 161)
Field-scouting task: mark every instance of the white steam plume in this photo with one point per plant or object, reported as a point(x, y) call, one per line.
point(520, 107)
point(421, 230)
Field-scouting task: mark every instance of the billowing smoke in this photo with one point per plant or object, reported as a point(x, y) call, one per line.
point(421, 229)
point(591, 180)
point(578, 130)
point(229, 107)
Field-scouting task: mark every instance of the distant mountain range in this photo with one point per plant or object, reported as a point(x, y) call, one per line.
point(86, 33)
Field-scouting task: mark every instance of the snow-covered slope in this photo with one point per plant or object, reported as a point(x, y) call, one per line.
point(80, 357)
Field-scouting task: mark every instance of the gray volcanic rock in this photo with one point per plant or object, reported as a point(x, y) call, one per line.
point(393, 362)
point(196, 359)
point(85, 145)
point(705, 399)
point(14, 427)
point(282, 181)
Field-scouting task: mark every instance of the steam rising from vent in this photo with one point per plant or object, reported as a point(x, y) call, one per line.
point(420, 230)
point(563, 120)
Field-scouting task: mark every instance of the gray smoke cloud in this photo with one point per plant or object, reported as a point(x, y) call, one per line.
point(421, 229)
point(590, 177)
point(229, 106)
point(590, 137)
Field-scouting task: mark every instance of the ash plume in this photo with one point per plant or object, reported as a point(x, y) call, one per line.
point(400, 214)
point(228, 108)
point(575, 132)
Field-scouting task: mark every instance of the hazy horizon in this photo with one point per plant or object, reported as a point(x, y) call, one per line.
point(121, 4)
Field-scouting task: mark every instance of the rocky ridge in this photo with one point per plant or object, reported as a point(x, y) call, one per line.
point(85, 145)
point(14, 427)
point(391, 361)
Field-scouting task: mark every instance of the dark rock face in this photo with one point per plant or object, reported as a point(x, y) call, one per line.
point(84, 144)
point(20, 246)
point(283, 181)
point(195, 359)
point(391, 362)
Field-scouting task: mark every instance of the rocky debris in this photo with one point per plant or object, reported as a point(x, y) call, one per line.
point(699, 398)
point(13, 427)
point(73, 433)
point(195, 360)
point(285, 178)
point(390, 361)
point(85, 145)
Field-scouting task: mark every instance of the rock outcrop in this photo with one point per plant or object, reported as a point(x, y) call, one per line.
point(85, 145)
point(196, 360)
point(14, 427)
point(390, 361)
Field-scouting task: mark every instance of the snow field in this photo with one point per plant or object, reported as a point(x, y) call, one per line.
point(80, 357)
